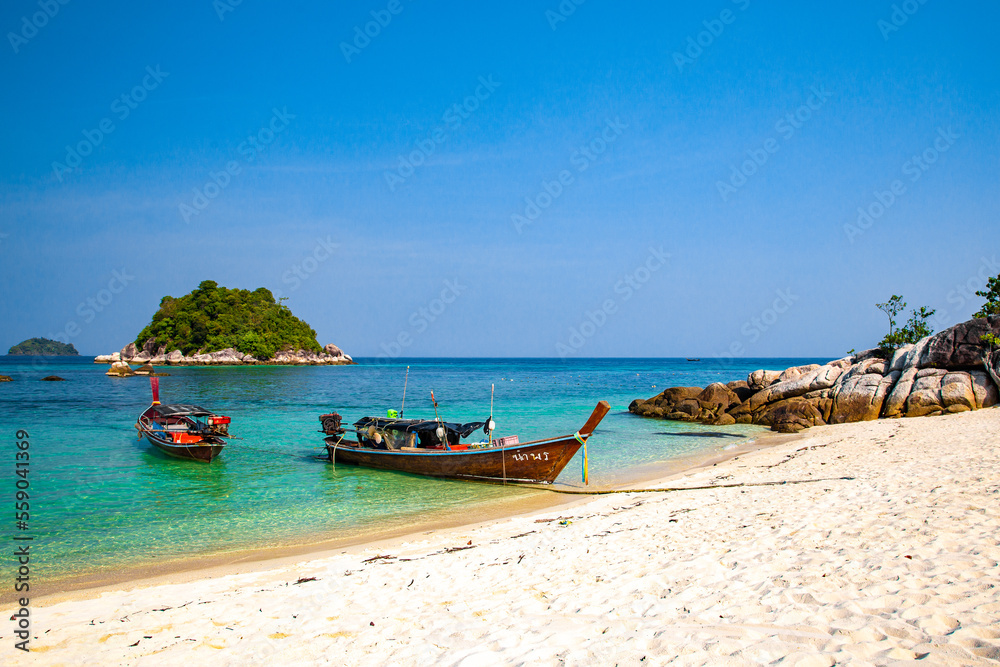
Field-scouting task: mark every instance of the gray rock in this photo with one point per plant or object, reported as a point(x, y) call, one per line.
point(820, 377)
point(912, 359)
point(175, 357)
point(957, 394)
point(865, 355)
point(762, 379)
point(120, 369)
point(959, 346)
point(860, 397)
point(925, 397)
point(877, 368)
point(898, 362)
point(895, 404)
point(984, 390)
point(796, 371)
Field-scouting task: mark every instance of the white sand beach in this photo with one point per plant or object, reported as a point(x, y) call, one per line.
point(880, 547)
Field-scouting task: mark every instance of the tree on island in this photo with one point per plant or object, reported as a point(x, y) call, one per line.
point(914, 329)
point(213, 318)
point(44, 346)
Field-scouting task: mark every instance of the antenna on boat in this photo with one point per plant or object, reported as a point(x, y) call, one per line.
point(404, 392)
point(490, 424)
point(440, 432)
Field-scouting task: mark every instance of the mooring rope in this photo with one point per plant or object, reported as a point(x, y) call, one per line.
point(684, 488)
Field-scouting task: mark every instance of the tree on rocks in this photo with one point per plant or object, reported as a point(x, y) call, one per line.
point(915, 328)
point(992, 296)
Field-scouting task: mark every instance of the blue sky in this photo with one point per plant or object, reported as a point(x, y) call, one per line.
point(389, 216)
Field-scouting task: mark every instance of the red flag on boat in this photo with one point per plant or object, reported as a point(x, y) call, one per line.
point(154, 384)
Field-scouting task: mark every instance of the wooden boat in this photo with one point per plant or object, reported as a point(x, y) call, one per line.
point(183, 431)
point(434, 448)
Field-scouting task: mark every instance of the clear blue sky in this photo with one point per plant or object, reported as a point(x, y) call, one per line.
point(660, 132)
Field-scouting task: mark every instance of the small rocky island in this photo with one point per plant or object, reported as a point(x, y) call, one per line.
point(218, 326)
point(952, 371)
point(44, 346)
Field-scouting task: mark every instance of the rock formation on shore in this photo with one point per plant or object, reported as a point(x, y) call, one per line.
point(150, 354)
point(943, 373)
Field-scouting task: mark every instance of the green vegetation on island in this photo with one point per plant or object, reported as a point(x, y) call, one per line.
point(213, 318)
point(44, 346)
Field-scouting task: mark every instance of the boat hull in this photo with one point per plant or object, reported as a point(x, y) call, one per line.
point(203, 452)
point(539, 462)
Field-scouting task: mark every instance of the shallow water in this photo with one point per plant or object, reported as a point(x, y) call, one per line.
point(103, 501)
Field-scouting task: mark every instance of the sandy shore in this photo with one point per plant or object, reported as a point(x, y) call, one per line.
point(871, 543)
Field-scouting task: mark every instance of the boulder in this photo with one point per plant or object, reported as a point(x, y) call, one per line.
point(333, 351)
point(925, 397)
point(793, 415)
point(761, 379)
point(249, 359)
point(873, 353)
point(6, 378)
point(860, 397)
point(741, 389)
point(53, 378)
point(898, 362)
point(675, 395)
point(876, 368)
point(723, 420)
point(103, 359)
point(984, 390)
point(742, 413)
point(895, 404)
point(717, 397)
point(226, 357)
point(690, 407)
point(843, 364)
point(127, 352)
point(959, 347)
point(796, 371)
point(120, 369)
point(174, 357)
point(956, 392)
point(146, 369)
point(820, 377)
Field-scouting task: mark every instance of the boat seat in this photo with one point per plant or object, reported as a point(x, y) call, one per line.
point(175, 427)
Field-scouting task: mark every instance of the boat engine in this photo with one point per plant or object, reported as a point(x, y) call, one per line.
point(331, 423)
point(219, 425)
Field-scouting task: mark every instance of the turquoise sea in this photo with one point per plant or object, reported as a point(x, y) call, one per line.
point(104, 504)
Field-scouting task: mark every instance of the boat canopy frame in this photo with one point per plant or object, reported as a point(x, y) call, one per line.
point(418, 426)
point(181, 410)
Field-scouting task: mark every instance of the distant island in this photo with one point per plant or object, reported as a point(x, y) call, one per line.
point(216, 325)
point(44, 346)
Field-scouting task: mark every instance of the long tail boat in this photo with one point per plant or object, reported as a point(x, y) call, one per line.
point(183, 431)
point(434, 448)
